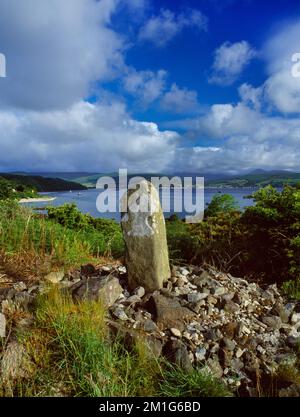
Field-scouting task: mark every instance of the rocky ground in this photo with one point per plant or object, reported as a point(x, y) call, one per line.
point(241, 332)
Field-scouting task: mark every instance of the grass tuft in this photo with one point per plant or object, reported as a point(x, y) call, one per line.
point(197, 383)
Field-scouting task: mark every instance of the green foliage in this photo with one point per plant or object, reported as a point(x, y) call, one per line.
point(197, 383)
point(213, 241)
point(69, 216)
point(42, 184)
point(291, 289)
point(219, 241)
point(180, 242)
point(6, 189)
point(221, 203)
point(263, 241)
point(23, 232)
point(272, 228)
point(103, 235)
point(68, 237)
point(13, 190)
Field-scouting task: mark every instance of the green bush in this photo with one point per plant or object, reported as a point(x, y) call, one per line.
point(221, 203)
point(6, 189)
point(103, 235)
point(13, 190)
point(67, 235)
point(272, 229)
point(263, 241)
point(23, 232)
point(180, 242)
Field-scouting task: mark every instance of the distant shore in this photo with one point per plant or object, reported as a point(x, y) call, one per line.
point(36, 200)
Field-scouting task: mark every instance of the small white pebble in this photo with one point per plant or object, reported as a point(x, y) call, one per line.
point(175, 332)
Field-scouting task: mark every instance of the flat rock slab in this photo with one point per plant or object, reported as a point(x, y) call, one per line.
point(106, 290)
point(132, 338)
point(176, 352)
point(168, 312)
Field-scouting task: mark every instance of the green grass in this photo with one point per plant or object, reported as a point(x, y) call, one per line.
point(103, 235)
point(292, 289)
point(73, 354)
point(198, 383)
point(23, 232)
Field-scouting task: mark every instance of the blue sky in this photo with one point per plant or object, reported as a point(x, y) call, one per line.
point(149, 85)
point(188, 57)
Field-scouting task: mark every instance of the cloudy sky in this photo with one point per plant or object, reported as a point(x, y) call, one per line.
point(150, 85)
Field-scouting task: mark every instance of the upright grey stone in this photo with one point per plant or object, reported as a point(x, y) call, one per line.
point(144, 232)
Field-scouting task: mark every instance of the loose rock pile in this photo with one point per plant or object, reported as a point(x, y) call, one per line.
point(238, 330)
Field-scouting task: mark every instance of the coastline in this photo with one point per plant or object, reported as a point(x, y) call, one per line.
point(36, 200)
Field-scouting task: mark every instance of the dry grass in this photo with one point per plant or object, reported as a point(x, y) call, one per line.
point(31, 246)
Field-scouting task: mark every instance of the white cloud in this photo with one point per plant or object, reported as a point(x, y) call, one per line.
point(245, 139)
point(250, 134)
point(251, 96)
point(225, 120)
point(136, 6)
point(282, 90)
point(146, 86)
point(149, 86)
point(180, 100)
point(162, 28)
point(55, 50)
point(91, 137)
point(230, 60)
point(57, 53)
point(103, 137)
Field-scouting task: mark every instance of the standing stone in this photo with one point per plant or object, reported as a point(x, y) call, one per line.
point(144, 232)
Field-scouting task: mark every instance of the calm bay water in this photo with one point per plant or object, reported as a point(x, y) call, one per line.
point(86, 200)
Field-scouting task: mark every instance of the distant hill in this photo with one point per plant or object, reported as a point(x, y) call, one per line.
point(43, 184)
point(71, 176)
point(257, 178)
point(87, 179)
